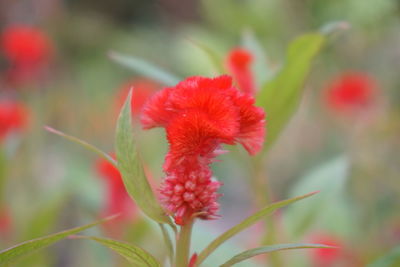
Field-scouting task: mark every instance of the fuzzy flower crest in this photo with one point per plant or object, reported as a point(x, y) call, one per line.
point(199, 114)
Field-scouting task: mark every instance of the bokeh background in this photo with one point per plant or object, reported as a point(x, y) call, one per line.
point(49, 184)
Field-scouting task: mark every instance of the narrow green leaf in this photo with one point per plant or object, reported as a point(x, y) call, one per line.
point(168, 242)
point(131, 168)
point(145, 68)
point(281, 95)
point(214, 57)
point(249, 221)
point(331, 179)
point(11, 254)
point(267, 249)
point(392, 259)
point(83, 144)
point(134, 254)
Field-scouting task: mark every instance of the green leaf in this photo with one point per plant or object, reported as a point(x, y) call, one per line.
point(280, 96)
point(261, 67)
point(267, 249)
point(214, 57)
point(392, 259)
point(330, 179)
point(83, 144)
point(249, 221)
point(11, 254)
point(131, 168)
point(168, 242)
point(145, 68)
point(134, 254)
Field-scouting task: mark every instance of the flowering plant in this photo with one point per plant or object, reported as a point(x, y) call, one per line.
point(199, 115)
point(28, 52)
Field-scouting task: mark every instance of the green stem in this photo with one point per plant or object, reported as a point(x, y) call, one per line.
point(263, 194)
point(183, 244)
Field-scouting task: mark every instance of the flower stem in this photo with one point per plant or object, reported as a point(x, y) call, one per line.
point(183, 244)
point(262, 191)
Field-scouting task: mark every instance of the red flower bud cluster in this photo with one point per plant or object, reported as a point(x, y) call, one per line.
point(199, 115)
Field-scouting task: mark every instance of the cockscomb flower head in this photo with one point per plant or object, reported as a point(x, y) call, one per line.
point(117, 200)
point(143, 89)
point(13, 117)
point(199, 115)
point(238, 63)
point(351, 91)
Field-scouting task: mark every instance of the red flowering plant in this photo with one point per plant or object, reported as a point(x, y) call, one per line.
point(27, 51)
point(200, 116)
point(351, 92)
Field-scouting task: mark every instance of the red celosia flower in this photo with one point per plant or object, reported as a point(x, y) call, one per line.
point(199, 114)
point(326, 257)
point(13, 117)
point(25, 45)
point(351, 91)
point(27, 50)
point(239, 65)
point(117, 199)
point(142, 90)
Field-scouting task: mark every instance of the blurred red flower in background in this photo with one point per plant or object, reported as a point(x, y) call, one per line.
point(351, 91)
point(5, 221)
point(199, 114)
point(238, 63)
point(143, 89)
point(13, 117)
point(117, 199)
point(342, 255)
point(27, 49)
point(326, 257)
